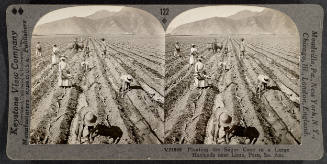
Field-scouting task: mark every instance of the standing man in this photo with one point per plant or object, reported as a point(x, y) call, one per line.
point(242, 48)
point(64, 74)
point(86, 48)
point(194, 52)
point(104, 47)
point(220, 47)
point(215, 46)
point(75, 45)
point(200, 74)
point(55, 55)
point(38, 49)
point(177, 49)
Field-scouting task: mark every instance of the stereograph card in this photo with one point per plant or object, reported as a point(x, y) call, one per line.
point(222, 82)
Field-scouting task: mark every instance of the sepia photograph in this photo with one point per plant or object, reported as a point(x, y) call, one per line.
point(97, 77)
point(217, 75)
point(232, 77)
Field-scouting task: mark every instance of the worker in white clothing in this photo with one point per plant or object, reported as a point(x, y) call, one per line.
point(200, 74)
point(262, 84)
point(242, 48)
point(194, 52)
point(55, 55)
point(38, 49)
point(126, 81)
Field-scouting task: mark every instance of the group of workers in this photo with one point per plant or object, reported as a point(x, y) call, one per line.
point(224, 127)
point(87, 119)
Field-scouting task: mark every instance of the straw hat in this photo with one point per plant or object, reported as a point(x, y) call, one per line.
point(129, 78)
point(62, 58)
point(225, 119)
point(90, 119)
point(263, 78)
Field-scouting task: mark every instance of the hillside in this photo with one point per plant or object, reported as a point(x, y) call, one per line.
point(126, 21)
point(245, 22)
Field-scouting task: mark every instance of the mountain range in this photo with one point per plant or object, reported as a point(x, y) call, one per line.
point(138, 22)
point(126, 21)
point(266, 21)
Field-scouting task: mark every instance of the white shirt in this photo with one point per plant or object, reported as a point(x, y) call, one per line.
point(38, 46)
point(62, 65)
point(55, 50)
point(193, 50)
point(199, 66)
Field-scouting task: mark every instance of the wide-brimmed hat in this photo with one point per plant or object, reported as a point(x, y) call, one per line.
point(55, 45)
point(90, 119)
point(263, 78)
point(225, 119)
point(193, 45)
point(62, 57)
point(129, 77)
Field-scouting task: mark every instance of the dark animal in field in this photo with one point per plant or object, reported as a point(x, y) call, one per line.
point(248, 132)
point(113, 132)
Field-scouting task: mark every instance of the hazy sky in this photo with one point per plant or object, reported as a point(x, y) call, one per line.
point(208, 12)
point(79, 11)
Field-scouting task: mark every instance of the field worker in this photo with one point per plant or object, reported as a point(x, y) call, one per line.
point(86, 123)
point(85, 66)
point(215, 46)
point(64, 74)
point(38, 49)
point(225, 50)
point(199, 75)
point(194, 51)
point(177, 49)
point(220, 46)
point(209, 46)
point(263, 81)
point(104, 47)
point(126, 81)
point(86, 49)
point(75, 45)
point(223, 128)
point(55, 55)
point(242, 48)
